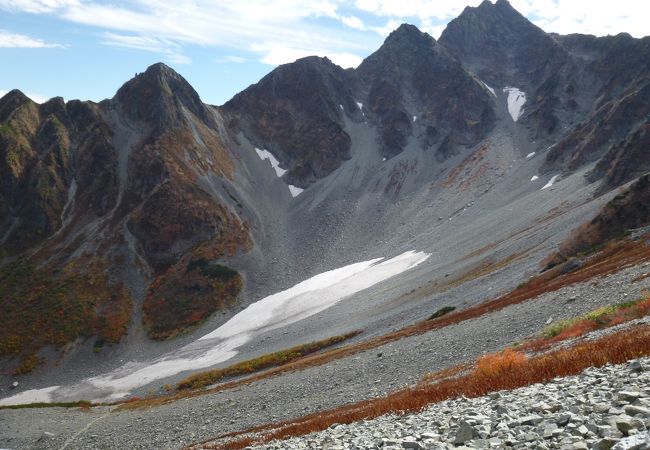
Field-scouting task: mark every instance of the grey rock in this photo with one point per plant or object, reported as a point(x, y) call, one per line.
point(465, 433)
point(636, 366)
point(412, 444)
point(633, 410)
point(639, 441)
point(605, 444)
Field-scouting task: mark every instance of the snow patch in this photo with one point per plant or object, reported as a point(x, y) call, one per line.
point(516, 100)
point(535, 178)
point(488, 88)
point(415, 118)
point(295, 191)
point(530, 155)
point(265, 154)
point(299, 302)
point(550, 182)
point(341, 106)
point(360, 105)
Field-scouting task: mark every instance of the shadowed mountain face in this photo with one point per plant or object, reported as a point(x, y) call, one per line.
point(133, 213)
point(415, 90)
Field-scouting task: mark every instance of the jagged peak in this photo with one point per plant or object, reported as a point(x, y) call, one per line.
point(406, 47)
point(152, 94)
point(500, 22)
point(407, 32)
point(318, 62)
point(156, 75)
point(15, 95)
point(11, 101)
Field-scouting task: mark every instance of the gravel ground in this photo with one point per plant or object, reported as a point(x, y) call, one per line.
point(604, 408)
point(369, 374)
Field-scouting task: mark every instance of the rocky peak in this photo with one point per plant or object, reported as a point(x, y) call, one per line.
point(157, 96)
point(408, 34)
point(403, 50)
point(412, 76)
point(10, 102)
point(501, 45)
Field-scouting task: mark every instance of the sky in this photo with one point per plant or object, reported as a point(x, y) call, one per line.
point(86, 49)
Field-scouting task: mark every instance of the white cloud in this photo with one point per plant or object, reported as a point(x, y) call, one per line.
point(354, 22)
point(422, 9)
point(276, 53)
point(165, 27)
point(36, 6)
point(12, 40)
point(386, 29)
point(598, 17)
point(171, 51)
point(588, 16)
point(231, 59)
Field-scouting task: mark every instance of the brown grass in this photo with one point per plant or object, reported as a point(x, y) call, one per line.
point(275, 359)
point(506, 370)
point(467, 164)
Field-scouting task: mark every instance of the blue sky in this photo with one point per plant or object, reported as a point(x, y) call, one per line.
point(88, 48)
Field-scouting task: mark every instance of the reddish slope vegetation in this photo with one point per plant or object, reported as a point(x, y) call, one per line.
point(628, 210)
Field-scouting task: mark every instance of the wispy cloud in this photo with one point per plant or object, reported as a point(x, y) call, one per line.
point(13, 40)
point(276, 53)
point(166, 27)
point(354, 22)
point(170, 50)
point(231, 59)
point(36, 6)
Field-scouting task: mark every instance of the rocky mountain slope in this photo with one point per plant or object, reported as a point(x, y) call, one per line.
point(139, 217)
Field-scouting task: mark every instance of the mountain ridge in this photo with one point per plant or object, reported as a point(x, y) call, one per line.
point(164, 199)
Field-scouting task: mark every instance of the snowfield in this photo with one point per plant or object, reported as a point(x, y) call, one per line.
point(265, 154)
point(275, 311)
point(295, 191)
point(516, 101)
point(550, 182)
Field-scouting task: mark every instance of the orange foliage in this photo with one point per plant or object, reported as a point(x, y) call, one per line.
point(494, 365)
point(614, 349)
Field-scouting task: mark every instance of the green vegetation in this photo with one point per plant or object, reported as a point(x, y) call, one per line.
point(599, 318)
point(79, 404)
point(441, 312)
point(211, 270)
point(260, 363)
